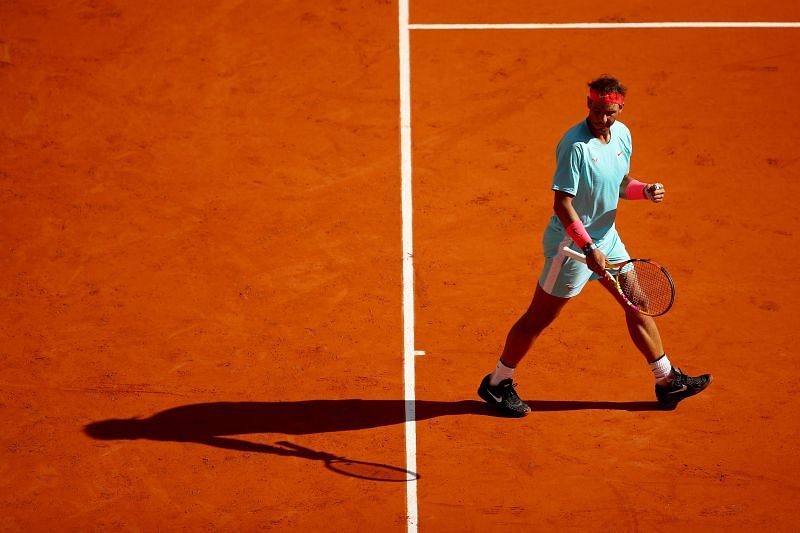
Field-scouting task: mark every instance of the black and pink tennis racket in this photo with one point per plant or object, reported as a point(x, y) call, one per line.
point(643, 284)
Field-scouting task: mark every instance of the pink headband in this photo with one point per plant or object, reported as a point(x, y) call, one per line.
point(609, 98)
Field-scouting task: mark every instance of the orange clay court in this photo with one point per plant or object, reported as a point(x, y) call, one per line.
point(202, 268)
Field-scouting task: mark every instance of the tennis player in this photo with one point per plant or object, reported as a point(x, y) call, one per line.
point(592, 174)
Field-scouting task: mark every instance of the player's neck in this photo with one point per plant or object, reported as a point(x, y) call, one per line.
point(602, 136)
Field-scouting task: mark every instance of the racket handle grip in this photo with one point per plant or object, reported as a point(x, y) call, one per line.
point(569, 252)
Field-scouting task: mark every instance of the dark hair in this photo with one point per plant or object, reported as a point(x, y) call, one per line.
point(606, 84)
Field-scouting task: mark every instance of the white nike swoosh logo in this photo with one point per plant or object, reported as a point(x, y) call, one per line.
point(683, 388)
point(499, 399)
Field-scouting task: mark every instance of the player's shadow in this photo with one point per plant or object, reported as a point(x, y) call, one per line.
point(197, 422)
point(576, 405)
point(216, 424)
point(222, 424)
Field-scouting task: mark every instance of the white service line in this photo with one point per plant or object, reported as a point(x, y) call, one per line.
point(603, 25)
point(409, 380)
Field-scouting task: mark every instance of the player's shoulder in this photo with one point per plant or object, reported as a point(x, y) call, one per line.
point(621, 128)
point(575, 137)
point(578, 133)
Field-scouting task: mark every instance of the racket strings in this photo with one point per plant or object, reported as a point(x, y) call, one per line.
point(647, 286)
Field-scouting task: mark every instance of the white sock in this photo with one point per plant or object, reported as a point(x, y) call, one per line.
point(501, 372)
point(661, 368)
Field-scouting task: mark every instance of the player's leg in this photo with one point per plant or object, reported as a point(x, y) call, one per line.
point(560, 280)
point(642, 328)
point(672, 385)
point(542, 311)
point(497, 388)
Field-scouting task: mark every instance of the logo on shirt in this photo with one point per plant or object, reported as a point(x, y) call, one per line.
point(619, 154)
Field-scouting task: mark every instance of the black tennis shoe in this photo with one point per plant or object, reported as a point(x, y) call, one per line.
point(503, 397)
point(681, 386)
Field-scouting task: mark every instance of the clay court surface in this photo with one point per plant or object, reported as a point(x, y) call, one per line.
point(202, 291)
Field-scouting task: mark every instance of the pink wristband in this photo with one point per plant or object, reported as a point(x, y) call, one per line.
point(578, 233)
point(635, 190)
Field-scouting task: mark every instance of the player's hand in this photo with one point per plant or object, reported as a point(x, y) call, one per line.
point(597, 262)
point(655, 192)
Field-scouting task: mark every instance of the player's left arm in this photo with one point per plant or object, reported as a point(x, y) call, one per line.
point(633, 189)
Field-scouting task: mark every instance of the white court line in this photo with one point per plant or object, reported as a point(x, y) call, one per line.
point(409, 380)
point(412, 514)
point(603, 25)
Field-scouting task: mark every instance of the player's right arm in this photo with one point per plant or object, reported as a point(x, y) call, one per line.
point(566, 181)
point(596, 260)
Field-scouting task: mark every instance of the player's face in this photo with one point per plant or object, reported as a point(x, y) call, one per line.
point(602, 115)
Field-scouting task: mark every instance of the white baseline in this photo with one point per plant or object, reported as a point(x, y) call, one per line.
point(603, 25)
